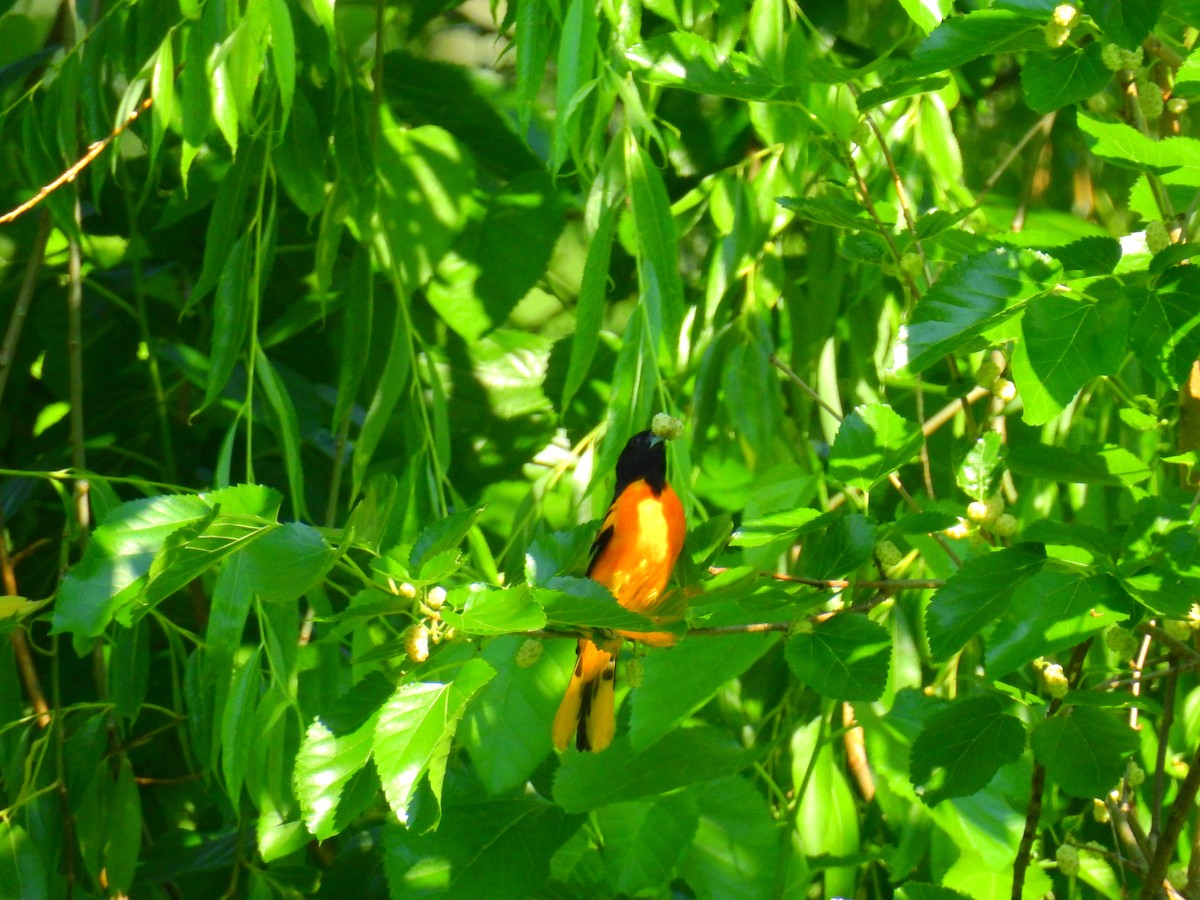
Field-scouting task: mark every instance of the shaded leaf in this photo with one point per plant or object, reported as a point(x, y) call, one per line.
point(1084, 749)
point(872, 442)
point(847, 657)
point(962, 746)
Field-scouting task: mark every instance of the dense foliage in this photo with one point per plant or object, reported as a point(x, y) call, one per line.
point(320, 352)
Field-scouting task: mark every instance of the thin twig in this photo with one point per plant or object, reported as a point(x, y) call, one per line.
point(20, 643)
point(1160, 762)
point(72, 173)
point(16, 323)
point(803, 385)
point(1044, 124)
point(841, 584)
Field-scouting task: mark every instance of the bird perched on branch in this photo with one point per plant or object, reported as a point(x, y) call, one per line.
point(633, 555)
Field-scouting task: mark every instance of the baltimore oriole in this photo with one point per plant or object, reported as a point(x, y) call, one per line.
point(633, 555)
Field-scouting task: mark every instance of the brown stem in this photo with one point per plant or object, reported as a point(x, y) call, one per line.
point(803, 385)
point(1160, 761)
point(840, 584)
point(1037, 784)
point(1183, 807)
point(72, 173)
point(20, 643)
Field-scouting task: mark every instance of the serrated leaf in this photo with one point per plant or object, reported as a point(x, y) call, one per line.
point(962, 746)
point(443, 535)
point(1065, 344)
point(1165, 332)
point(773, 527)
point(1063, 76)
point(1084, 749)
point(838, 549)
point(1125, 145)
point(678, 682)
point(872, 442)
point(335, 748)
point(488, 612)
point(977, 295)
point(847, 657)
point(497, 848)
point(1106, 465)
point(587, 781)
point(1052, 611)
point(1125, 22)
point(415, 729)
point(982, 467)
point(975, 595)
point(960, 39)
point(116, 561)
point(643, 839)
point(583, 603)
point(506, 729)
point(895, 89)
point(834, 211)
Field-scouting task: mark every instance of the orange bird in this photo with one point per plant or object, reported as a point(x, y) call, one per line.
point(632, 556)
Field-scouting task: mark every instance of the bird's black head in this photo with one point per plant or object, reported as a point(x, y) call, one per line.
point(645, 457)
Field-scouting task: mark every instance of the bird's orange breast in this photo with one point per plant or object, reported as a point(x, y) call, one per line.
point(647, 535)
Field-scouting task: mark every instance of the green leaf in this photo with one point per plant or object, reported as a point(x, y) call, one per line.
point(688, 61)
point(977, 594)
point(926, 15)
point(356, 329)
point(335, 748)
point(1125, 22)
point(679, 681)
point(1094, 255)
point(1063, 76)
point(901, 87)
point(238, 724)
point(773, 527)
point(847, 657)
point(1165, 333)
point(480, 283)
point(913, 890)
point(576, 66)
point(286, 562)
point(446, 534)
point(484, 848)
point(589, 311)
point(507, 728)
point(1124, 144)
point(425, 180)
point(973, 298)
point(393, 381)
point(735, 851)
point(960, 39)
point(872, 443)
point(834, 211)
point(962, 746)
point(587, 781)
point(162, 89)
point(1107, 465)
point(283, 54)
point(488, 612)
point(233, 308)
point(658, 252)
point(299, 159)
point(981, 469)
point(23, 871)
point(643, 839)
point(827, 821)
point(415, 730)
point(284, 412)
point(533, 37)
point(837, 550)
point(583, 603)
point(1065, 344)
point(558, 553)
point(225, 222)
point(1053, 611)
point(117, 559)
point(1084, 749)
